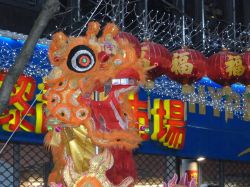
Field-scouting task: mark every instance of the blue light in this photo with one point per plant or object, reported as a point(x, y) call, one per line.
point(238, 88)
point(8, 40)
point(208, 82)
point(39, 65)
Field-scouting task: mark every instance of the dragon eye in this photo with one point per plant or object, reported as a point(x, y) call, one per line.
point(81, 59)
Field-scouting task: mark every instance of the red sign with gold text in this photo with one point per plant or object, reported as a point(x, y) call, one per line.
point(168, 115)
point(21, 97)
point(169, 118)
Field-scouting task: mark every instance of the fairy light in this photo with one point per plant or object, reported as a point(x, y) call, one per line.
point(162, 28)
point(39, 65)
point(164, 87)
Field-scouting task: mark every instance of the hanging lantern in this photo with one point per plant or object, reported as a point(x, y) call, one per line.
point(186, 67)
point(246, 62)
point(155, 55)
point(131, 39)
point(225, 68)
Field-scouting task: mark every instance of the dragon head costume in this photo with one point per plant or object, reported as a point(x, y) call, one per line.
point(77, 123)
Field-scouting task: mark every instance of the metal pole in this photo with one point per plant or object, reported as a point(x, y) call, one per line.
point(228, 7)
point(146, 19)
point(234, 13)
point(78, 10)
point(234, 23)
point(203, 23)
point(221, 174)
point(183, 22)
point(96, 98)
point(123, 15)
point(199, 174)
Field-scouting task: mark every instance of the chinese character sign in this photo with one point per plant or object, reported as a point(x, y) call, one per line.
point(169, 118)
point(20, 110)
point(168, 115)
point(140, 114)
point(169, 122)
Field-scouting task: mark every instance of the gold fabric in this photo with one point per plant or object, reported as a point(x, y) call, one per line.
point(80, 148)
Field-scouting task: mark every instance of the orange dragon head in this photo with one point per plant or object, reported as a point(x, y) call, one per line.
point(83, 65)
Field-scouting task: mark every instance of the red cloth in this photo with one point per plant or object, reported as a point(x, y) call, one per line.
point(104, 115)
point(107, 119)
point(124, 166)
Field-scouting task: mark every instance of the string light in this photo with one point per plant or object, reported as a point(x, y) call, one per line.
point(39, 65)
point(164, 87)
point(157, 26)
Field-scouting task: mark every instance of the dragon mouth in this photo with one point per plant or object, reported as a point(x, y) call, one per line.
point(128, 73)
point(101, 133)
point(128, 139)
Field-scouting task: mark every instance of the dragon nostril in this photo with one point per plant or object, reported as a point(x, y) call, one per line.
point(56, 58)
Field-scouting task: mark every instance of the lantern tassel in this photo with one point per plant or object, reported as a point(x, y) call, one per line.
point(227, 92)
point(187, 90)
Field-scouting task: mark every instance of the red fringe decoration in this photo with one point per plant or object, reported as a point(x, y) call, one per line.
point(124, 166)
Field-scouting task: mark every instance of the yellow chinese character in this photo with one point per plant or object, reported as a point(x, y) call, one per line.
point(234, 66)
point(180, 64)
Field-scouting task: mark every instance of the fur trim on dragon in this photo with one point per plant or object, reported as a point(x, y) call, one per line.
point(82, 66)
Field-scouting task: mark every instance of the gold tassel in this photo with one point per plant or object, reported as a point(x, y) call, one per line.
point(228, 115)
point(202, 106)
point(187, 90)
point(216, 97)
point(191, 107)
point(202, 109)
point(228, 102)
point(149, 85)
point(149, 108)
point(216, 112)
point(226, 90)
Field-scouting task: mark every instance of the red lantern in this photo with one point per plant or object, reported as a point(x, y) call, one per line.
point(131, 39)
point(156, 55)
point(246, 61)
point(187, 66)
point(225, 67)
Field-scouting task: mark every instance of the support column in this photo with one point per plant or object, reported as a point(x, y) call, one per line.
point(199, 13)
point(96, 98)
point(221, 174)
